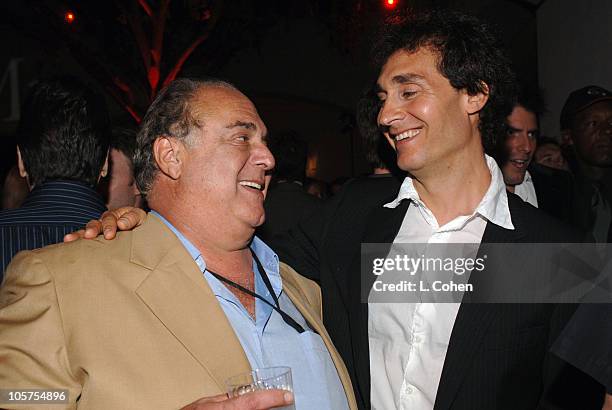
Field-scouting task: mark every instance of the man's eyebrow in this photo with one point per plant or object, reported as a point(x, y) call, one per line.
point(407, 78)
point(401, 79)
point(247, 125)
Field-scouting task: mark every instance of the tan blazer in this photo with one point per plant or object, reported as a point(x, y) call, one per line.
point(127, 323)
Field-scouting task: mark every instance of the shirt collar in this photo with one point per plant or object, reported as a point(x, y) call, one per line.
point(68, 193)
point(493, 206)
point(269, 260)
point(527, 177)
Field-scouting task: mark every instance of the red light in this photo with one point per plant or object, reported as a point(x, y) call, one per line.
point(390, 4)
point(69, 16)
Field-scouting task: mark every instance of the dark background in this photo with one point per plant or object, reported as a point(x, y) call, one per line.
point(303, 62)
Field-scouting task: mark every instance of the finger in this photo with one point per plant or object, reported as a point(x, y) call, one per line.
point(259, 400)
point(92, 229)
point(207, 403)
point(73, 236)
point(130, 219)
point(108, 225)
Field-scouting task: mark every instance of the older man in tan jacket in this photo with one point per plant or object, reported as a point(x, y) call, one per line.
point(162, 316)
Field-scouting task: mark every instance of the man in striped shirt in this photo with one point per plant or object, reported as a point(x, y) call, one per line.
point(62, 151)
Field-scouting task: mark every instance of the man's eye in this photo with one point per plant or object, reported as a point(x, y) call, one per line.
point(242, 138)
point(533, 134)
point(408, 93)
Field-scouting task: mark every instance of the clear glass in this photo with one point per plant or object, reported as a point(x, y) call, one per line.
point(268, 378)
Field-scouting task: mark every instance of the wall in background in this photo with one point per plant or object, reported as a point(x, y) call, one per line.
point(574, 50)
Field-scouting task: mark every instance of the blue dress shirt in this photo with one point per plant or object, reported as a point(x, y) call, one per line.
point(268, 341)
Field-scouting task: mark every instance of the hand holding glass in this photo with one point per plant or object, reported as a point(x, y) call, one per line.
point(269, 378)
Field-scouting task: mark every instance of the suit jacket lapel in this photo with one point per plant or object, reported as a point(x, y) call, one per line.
point(383, 224)
point(178, 295)
point(473, 319)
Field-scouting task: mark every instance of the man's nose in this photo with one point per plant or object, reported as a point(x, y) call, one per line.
point(608, 127)
point(262, 156)
point(523, 143)
point(389, 113)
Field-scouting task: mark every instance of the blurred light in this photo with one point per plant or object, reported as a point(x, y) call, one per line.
point(69, 16)
point(390, 4)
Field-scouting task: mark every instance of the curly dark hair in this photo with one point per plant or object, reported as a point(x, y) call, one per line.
point(470, 57)
point(63, 132)
point(169, 115)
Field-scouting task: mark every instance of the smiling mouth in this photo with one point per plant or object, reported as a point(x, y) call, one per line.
point(520, 163)
point(406, 135)
point(252, 184)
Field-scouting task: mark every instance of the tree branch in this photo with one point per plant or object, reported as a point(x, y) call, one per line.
point(184, 56)
point(147, 9)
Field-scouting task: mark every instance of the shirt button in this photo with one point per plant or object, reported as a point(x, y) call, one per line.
point(417, 339)
point(409, 390)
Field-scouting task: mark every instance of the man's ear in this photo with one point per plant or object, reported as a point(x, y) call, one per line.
point(476, 102)
point(169, 155)
point(22, 169)
point(104, 170)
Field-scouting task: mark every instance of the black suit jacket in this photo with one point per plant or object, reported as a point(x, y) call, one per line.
point(478, 370)
point(498, 355)
point(554, 190)
point(286, 204)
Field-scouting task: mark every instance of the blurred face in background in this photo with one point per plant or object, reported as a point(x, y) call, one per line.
point(122, 190)
point(520, 145)
point(550, 155)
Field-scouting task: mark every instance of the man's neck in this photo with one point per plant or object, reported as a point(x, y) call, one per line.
point(455, 192)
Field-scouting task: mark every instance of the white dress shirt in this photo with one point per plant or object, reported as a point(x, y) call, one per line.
point(526, 191)
point(408, 341)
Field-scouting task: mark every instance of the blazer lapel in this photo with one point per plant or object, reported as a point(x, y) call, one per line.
point(382, 226)
point(178, 295)
point(473, 319)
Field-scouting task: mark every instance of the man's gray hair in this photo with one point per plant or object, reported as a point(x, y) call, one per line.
point(170, 115)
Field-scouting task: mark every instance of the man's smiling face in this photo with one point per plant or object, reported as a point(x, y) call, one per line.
point(226, 165)
point(422, 115)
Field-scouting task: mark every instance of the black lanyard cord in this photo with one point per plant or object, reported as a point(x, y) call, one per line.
point(288, 319)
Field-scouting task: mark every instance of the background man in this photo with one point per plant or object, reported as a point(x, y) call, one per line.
point(520, 144)
point(165, 314)
point(62, 152)
point(586, 125)
point(543, 187)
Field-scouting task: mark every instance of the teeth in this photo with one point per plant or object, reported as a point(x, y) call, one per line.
point(406, 134)
point(251, 184)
